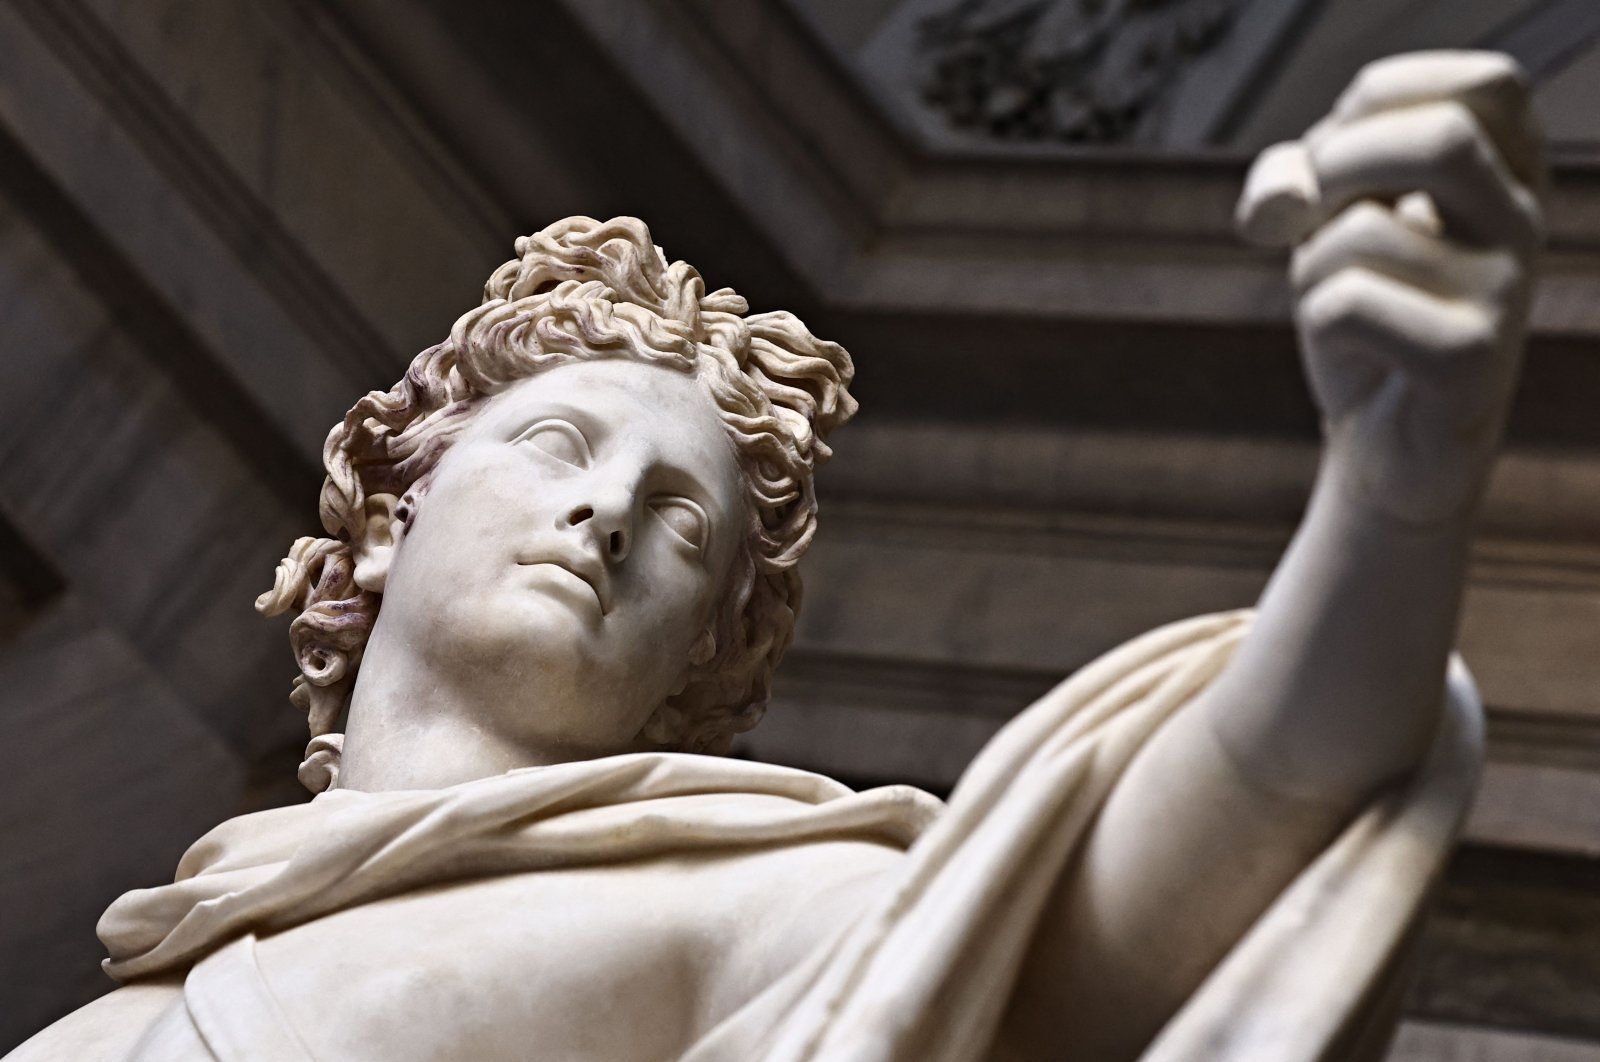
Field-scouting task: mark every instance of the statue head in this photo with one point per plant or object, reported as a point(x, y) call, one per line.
point(754, 397)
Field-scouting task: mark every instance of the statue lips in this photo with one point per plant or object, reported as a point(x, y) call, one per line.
point(583, 567)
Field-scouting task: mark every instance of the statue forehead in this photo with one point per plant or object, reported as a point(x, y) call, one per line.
point(604, 388)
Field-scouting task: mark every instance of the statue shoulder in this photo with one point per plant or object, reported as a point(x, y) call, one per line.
point(107, 1028)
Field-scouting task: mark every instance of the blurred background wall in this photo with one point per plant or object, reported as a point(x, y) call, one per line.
point(221, 221)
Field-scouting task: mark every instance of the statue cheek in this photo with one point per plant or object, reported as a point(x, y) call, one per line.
point(673, 614)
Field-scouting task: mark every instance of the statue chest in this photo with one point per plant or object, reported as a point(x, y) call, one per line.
point(598, 963)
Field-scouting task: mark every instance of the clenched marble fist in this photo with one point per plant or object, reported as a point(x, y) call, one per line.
point(1415, 214)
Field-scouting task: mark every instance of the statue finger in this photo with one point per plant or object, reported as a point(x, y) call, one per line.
point(1281, 203)
point(1364, 315)
point(1373, 236)
point(1436, 148)
point(1489, 84)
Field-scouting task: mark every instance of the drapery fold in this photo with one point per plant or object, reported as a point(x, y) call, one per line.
point(274, 869)
point(926, 970)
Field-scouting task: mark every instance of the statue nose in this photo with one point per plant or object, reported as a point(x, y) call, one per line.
point(610, 526)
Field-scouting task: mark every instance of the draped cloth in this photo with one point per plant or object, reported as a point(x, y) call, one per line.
point(925, 971)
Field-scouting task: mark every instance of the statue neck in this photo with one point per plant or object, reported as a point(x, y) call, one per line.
point(390, 744)
point(410, 727)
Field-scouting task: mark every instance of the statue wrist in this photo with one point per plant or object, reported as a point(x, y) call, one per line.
point(1403, 492)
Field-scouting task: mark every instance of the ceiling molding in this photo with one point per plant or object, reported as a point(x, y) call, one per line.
point(385, 108)
point(190, 364)
point(151, 186)
point(1541, 507)
point(192, 167)
point(875, 220)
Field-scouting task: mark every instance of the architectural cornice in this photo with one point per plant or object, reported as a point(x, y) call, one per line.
point(876, 218)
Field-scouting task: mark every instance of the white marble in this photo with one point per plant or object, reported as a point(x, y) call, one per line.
point(561, 567)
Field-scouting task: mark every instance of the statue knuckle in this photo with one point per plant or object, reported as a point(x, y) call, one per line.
point(1340, 304)
point(1363, 85)
point(1460, 346)
point(1455, 139)
point(1503, 275)
point(1479, 338)
point(1303, 266)
point(1363, 221)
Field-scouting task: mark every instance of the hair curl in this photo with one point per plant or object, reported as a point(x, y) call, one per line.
point(584, 289)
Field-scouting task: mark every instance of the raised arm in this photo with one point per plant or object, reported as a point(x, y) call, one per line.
point(1416, 203)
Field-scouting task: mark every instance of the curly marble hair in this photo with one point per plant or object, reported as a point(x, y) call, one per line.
point(584, 289)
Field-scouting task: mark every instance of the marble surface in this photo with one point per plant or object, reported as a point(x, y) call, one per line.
point(653, 497)
point(437, 117)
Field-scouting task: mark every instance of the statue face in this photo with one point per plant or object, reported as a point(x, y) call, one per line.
point(569, 551)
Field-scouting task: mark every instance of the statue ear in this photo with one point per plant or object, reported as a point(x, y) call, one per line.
point(374, 551)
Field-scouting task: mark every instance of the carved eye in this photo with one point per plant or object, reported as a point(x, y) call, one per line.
point(684, 518)
point(560, 440)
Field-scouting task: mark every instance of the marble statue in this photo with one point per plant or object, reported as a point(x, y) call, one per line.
point(561, 568)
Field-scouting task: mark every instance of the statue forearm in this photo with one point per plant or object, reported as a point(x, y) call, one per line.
point(1336, 690)
point(1338, 686)
point(1419, 231)
point(1412, 285)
